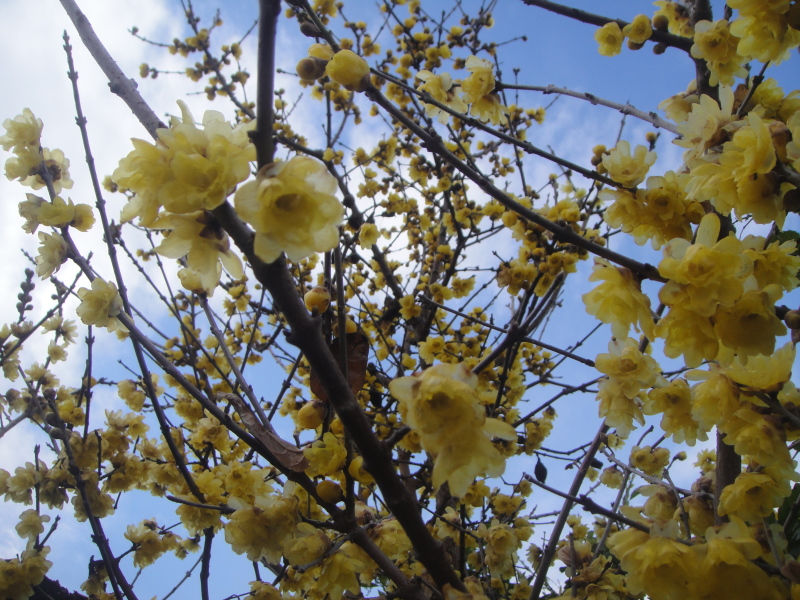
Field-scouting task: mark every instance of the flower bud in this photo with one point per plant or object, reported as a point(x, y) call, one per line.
point(660, 23)
point(309, 30)
point(792, 319)
point(310, 68)
point(349, 70)
point(311, 415)
point(317, 299)
point(330, 491)
point(349, 327)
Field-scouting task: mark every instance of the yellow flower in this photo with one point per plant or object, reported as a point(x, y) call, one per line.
point(29, 210)
point(489, 109)
point(501, 548)
point(764, 373)
point(480, 82)
point(60, 214)
point(775, 264)
point(349, 70)
point(728, 568)
point(188, 169)
point(750, 325)
point(618, 300)
point(440, 87)
point(648, 460)
point(368, 235)
point(610, 38)
point(31, 524)
point(674, 402)
point(18, 576)
point(442, 405)
point(626, 170)
point(321, 51)
point(657, 565)
point(762, 437)
point(639, 30)
point(754, 495)
point(409, 308)
point(325, 456)
point(340, 573)
point(714, 43)
point(677, 16)
point(793, 147)
point(704, 125)
point(23, 164)
point(689, 334)
point(24, 130)
point(293, 209)
point(764, 30)
point(52, 253)
point(705, 274)
point(714, 399)
point(307, 545)
point(100, 305)
point(626, 365)
point(260, 531)
point(201, 240)
point(56, 164)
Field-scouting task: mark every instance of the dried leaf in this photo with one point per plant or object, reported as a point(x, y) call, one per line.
point(357, 355)
point(288, 454)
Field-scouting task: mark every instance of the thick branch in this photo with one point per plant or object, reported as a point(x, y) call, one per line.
point(122, 86)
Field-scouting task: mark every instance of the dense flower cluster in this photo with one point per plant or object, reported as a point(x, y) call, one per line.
point(441, 405)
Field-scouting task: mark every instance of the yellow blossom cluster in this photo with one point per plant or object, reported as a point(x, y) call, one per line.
point(442, 405)
point(628, 371)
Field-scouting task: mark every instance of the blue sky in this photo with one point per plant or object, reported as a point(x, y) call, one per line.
point(557, 51)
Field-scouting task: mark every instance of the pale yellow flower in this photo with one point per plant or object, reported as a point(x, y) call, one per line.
point(56, 164)
point(293, 209)
point(24, 130)
point(188, 169)
point(440, 87)
point(100, 305)
point(714, 43)
point(480, 81)
point(201, 239)
point(442, 405)
point(52, 253)
point(368, 235)
point(626, 170)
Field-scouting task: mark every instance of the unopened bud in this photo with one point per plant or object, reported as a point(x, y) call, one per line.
point(317, 299)
point(311, 415)
point(330, 491)
point(310, 68)
point(660, 23)
point(659, 48)
point(792, 319)
point(309, 30)
point(791, 200)
point(349, 327)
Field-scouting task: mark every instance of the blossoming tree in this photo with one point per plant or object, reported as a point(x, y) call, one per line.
point(397, 445)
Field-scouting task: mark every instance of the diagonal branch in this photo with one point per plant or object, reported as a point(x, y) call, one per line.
point(122, 86)
point(668, 39)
